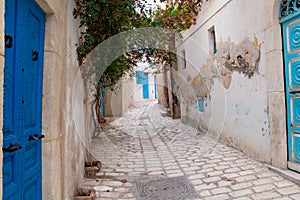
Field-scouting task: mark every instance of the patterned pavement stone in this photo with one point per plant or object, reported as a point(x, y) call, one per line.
point(145, 145)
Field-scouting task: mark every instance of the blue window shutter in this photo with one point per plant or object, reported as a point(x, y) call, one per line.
point(140, 77)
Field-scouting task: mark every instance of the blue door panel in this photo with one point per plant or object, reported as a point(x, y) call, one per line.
point(146, 91)
point(30, 190)
point(145, 87)
point(12, 110)
point(9, 73)
point(25, 22)
point(294, 35)
point(294, 68)
point(291, 41)
point(10, 176)
point(296, 147)
point(295, 105)
point(142, 78)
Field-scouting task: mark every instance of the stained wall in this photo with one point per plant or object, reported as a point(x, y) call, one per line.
point(241, 83)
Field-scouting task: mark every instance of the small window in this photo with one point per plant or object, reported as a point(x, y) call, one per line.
point(212, 40)
point(183, 58)
point(141, 77)
point(200, 105)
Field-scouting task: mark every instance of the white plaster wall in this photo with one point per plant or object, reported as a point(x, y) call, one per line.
point(120, 99)
point(160, 90)
point(127, 87)
point(54, 98)
point(77, 114)
point(240, 113)
point(116, 100)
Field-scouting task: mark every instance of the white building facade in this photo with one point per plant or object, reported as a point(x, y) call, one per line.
point(233, 77)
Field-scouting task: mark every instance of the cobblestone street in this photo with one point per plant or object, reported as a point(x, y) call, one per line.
point(146, 155)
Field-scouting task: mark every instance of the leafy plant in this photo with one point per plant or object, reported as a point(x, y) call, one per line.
point(102, 19)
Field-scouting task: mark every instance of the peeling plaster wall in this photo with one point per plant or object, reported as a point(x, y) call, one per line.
point(233, 82)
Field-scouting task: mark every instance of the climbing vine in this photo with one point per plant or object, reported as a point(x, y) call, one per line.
point(102, 19)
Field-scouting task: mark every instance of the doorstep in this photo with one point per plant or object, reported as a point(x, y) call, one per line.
point(286, 173)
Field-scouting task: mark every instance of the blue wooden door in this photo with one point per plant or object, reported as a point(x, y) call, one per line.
point(145, 86)
point(291, 38)
point(142, 78)
point(146, 89)
point(24, 46)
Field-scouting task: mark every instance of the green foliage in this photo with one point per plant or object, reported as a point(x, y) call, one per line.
point(177, 16)
point(102, 19)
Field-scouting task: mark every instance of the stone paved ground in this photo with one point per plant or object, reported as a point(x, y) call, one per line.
point(145, 145)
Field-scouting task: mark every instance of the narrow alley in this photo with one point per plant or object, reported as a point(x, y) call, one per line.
point(147, 155)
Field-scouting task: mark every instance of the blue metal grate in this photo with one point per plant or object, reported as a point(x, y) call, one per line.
point(288, 8)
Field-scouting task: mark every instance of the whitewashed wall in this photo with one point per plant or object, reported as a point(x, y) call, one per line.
point(66, 107)
point(126, 93)
point(237, 108)
point(77, 114)
point(120, 99)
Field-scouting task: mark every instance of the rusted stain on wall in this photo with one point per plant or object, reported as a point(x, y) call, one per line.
point(243, 57)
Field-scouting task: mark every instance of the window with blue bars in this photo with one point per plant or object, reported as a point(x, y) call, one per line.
point(200, 105)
